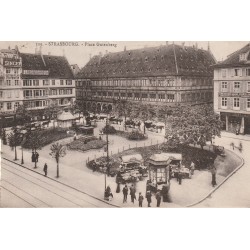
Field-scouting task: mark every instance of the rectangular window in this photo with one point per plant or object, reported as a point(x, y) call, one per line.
point(170, 97)
point(247, 72)
point(61, 82)
point(16, 82)
point(1, 105)
point(224, 102)
point(237, 72)
point(248, 103)
point(236, 102)
point(17, 93)
point(248, 87)
point(1, 94)
point(53, 82)
point(7, 71)
point(8, 82)
point(224, 86)
point(236, 86)
point(9, 105)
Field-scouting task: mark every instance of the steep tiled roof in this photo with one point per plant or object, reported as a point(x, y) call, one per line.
point(57, 66)
point(233, 60)
point(164, 60)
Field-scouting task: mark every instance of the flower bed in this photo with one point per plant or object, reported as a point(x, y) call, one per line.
point(86, 143)
point(50, 135)
point(203, 159)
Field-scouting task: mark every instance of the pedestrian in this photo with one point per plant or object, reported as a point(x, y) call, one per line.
point(140, 199)
point(179, 176)
point(33, 157)
point(125, 193)
point(36, 157)
point(148, 197)
point(45, 169)
point(213, 172)
point(192, 168)
point(240, 147)
point(132, 193)
point(158, 198)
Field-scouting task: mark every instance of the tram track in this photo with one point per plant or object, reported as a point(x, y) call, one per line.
point(71, 194)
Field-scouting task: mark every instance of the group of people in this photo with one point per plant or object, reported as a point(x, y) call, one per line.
point(132, 190)
point(34, 156)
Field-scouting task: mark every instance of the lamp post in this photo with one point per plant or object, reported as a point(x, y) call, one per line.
point(107, 164)
point(23, 141)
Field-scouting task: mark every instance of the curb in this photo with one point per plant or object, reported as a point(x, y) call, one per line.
point(63, 183)
point(217, 187)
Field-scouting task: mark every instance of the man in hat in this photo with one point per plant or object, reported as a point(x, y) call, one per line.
point(45, 169)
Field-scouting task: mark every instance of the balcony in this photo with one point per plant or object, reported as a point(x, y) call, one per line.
point(35, 97)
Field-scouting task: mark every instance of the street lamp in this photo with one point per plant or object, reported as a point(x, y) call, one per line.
point(23, 133)
point(107, 147)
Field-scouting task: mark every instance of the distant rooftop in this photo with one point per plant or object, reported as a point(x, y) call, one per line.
point(165, 60)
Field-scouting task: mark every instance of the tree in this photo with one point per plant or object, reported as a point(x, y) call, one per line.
point(51, 111)
point(23, 114)
point(194, 124)
point(145, 112)
point(34, 140)
point(57, 151)
point(123, 108)
point(14, 139)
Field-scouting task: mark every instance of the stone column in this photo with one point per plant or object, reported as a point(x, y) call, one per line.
point(242, 126)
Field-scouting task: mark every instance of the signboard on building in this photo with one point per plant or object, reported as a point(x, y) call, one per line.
point(36, 72)
point(12, 63)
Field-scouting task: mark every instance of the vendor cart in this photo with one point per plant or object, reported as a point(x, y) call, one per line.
point(131, 169)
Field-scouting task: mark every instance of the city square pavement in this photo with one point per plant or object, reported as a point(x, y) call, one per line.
point(73, 172)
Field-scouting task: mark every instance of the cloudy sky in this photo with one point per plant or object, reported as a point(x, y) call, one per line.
point(79, 52)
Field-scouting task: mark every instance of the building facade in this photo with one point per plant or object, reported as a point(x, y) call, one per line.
point(34, 80)
point(168, 74)
point(11, 95)
point(46, 79)
point(232, 91)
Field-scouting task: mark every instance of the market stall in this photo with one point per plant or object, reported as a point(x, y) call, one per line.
point(131, 169)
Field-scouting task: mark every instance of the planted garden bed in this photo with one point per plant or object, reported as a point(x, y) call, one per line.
point(49, 135)
point(86, 143)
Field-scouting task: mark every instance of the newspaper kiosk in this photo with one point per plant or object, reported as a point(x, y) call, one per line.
point(159, 171)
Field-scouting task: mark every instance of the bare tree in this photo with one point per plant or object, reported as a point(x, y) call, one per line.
point(14, 140)
point(57, 151)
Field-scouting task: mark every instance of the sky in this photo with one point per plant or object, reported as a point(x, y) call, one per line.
point(79, 52)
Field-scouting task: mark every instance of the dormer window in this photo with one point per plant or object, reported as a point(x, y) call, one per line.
point(243, 57)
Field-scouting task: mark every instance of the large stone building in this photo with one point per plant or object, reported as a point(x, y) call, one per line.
point(168, 74)
point(232, 91)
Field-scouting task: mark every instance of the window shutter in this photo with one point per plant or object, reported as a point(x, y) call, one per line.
point(232, 72)
point(241, 103)
point(219, 102)
point(230, 102)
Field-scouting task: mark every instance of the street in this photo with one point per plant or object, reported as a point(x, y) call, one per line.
point(24, 188)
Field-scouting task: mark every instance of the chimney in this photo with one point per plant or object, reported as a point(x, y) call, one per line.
point(183, 45)
point(196, 46)
point(208, 46)
point(125, 48)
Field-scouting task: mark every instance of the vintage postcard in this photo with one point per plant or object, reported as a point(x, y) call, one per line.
point(107, 124)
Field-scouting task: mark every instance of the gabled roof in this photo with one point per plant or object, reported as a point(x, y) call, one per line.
point(233, 60)
point(57, 66)
point(167, 60)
